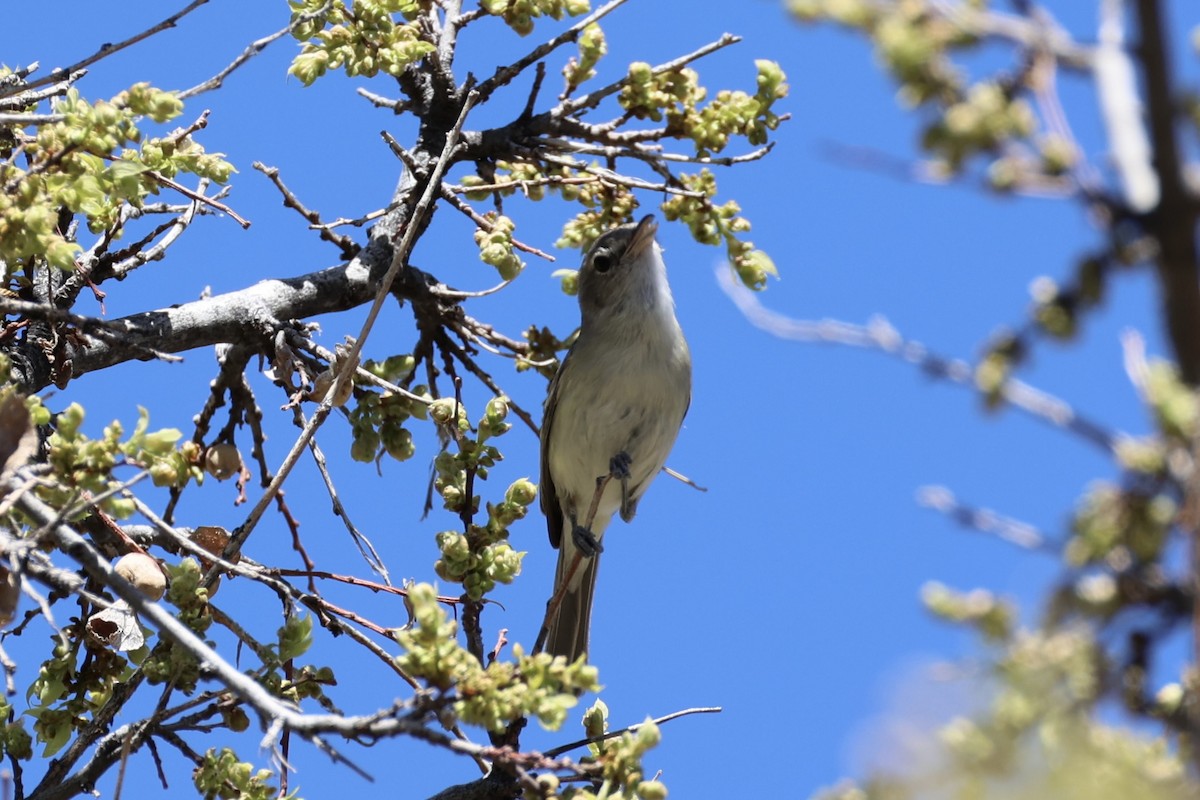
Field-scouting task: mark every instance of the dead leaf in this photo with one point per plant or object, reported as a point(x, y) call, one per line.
point(116, 627)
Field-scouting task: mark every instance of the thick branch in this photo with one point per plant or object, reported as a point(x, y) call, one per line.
point(1173, 222)
point(248, 316)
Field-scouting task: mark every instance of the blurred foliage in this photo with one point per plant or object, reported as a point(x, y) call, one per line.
point(1037, 735)
point(1067, 705)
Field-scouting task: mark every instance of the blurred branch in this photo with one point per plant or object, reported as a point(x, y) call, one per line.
point(984, 520)
point(1121, 109)
point(1033, 33)
point(880, 335)
point(1173, 221)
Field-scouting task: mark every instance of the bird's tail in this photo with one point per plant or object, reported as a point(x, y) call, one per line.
point(568, 633)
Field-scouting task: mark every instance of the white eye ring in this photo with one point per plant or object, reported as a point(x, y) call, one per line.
point(602, 261)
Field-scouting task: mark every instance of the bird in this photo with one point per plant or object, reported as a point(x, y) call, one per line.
point(612, 413)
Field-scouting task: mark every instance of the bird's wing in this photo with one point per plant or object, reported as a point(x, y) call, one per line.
point(546, 491)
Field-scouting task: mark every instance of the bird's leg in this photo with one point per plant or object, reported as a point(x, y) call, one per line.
point(618, 467)
point(585, 540)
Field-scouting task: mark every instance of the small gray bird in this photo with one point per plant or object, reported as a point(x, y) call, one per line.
point(614, 408)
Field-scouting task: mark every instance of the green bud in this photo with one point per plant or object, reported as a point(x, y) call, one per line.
point(365, 446)
point(443, 410)
point(569, 279)
point(398, 443)
point(651, 790)
point(497, 409)
point(1169, 698)
point(522, 492)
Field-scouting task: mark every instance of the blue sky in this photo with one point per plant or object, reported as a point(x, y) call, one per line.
point(788, 593)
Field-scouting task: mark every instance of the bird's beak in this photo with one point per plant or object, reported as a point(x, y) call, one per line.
point(643, 237)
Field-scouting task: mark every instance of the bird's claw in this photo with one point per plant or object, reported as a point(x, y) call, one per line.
point(586, 541)
point(618, 466)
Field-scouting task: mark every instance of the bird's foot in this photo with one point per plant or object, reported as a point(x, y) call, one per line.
point(586, 541)
point(618, 466)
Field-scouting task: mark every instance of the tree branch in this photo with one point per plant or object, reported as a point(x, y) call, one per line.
point(1173, 222)
point(108, 49)
point(880, 335)
point(249, 316)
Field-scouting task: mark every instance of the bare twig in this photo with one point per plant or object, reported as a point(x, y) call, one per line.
point(399, 259)
point(107, 50)
point(365, 548)
point(504, 75)
point(684, 479)
point(200, 198)
point(252, 49)
point(648, 154)
point(176, 540)
point(348, 246)
point(357, 222)
point(379, 101)
point(170, 232)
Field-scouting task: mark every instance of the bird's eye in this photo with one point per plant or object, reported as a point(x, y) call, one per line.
point(602, 261)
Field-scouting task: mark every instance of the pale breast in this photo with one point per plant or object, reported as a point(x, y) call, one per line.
point(617, 395)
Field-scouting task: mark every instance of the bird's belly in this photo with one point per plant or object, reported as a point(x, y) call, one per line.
point(592, 427)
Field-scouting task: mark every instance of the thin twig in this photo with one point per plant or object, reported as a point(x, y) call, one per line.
point(379, 101)
point(504, 75)
point(486, 224)
point(347, 245)
point(108, 49)
point(566, 748)
point(208, 201)
point(399, 259)
point(360, 373)
point(252, 49)
point(365, 548)
point(357, 222)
